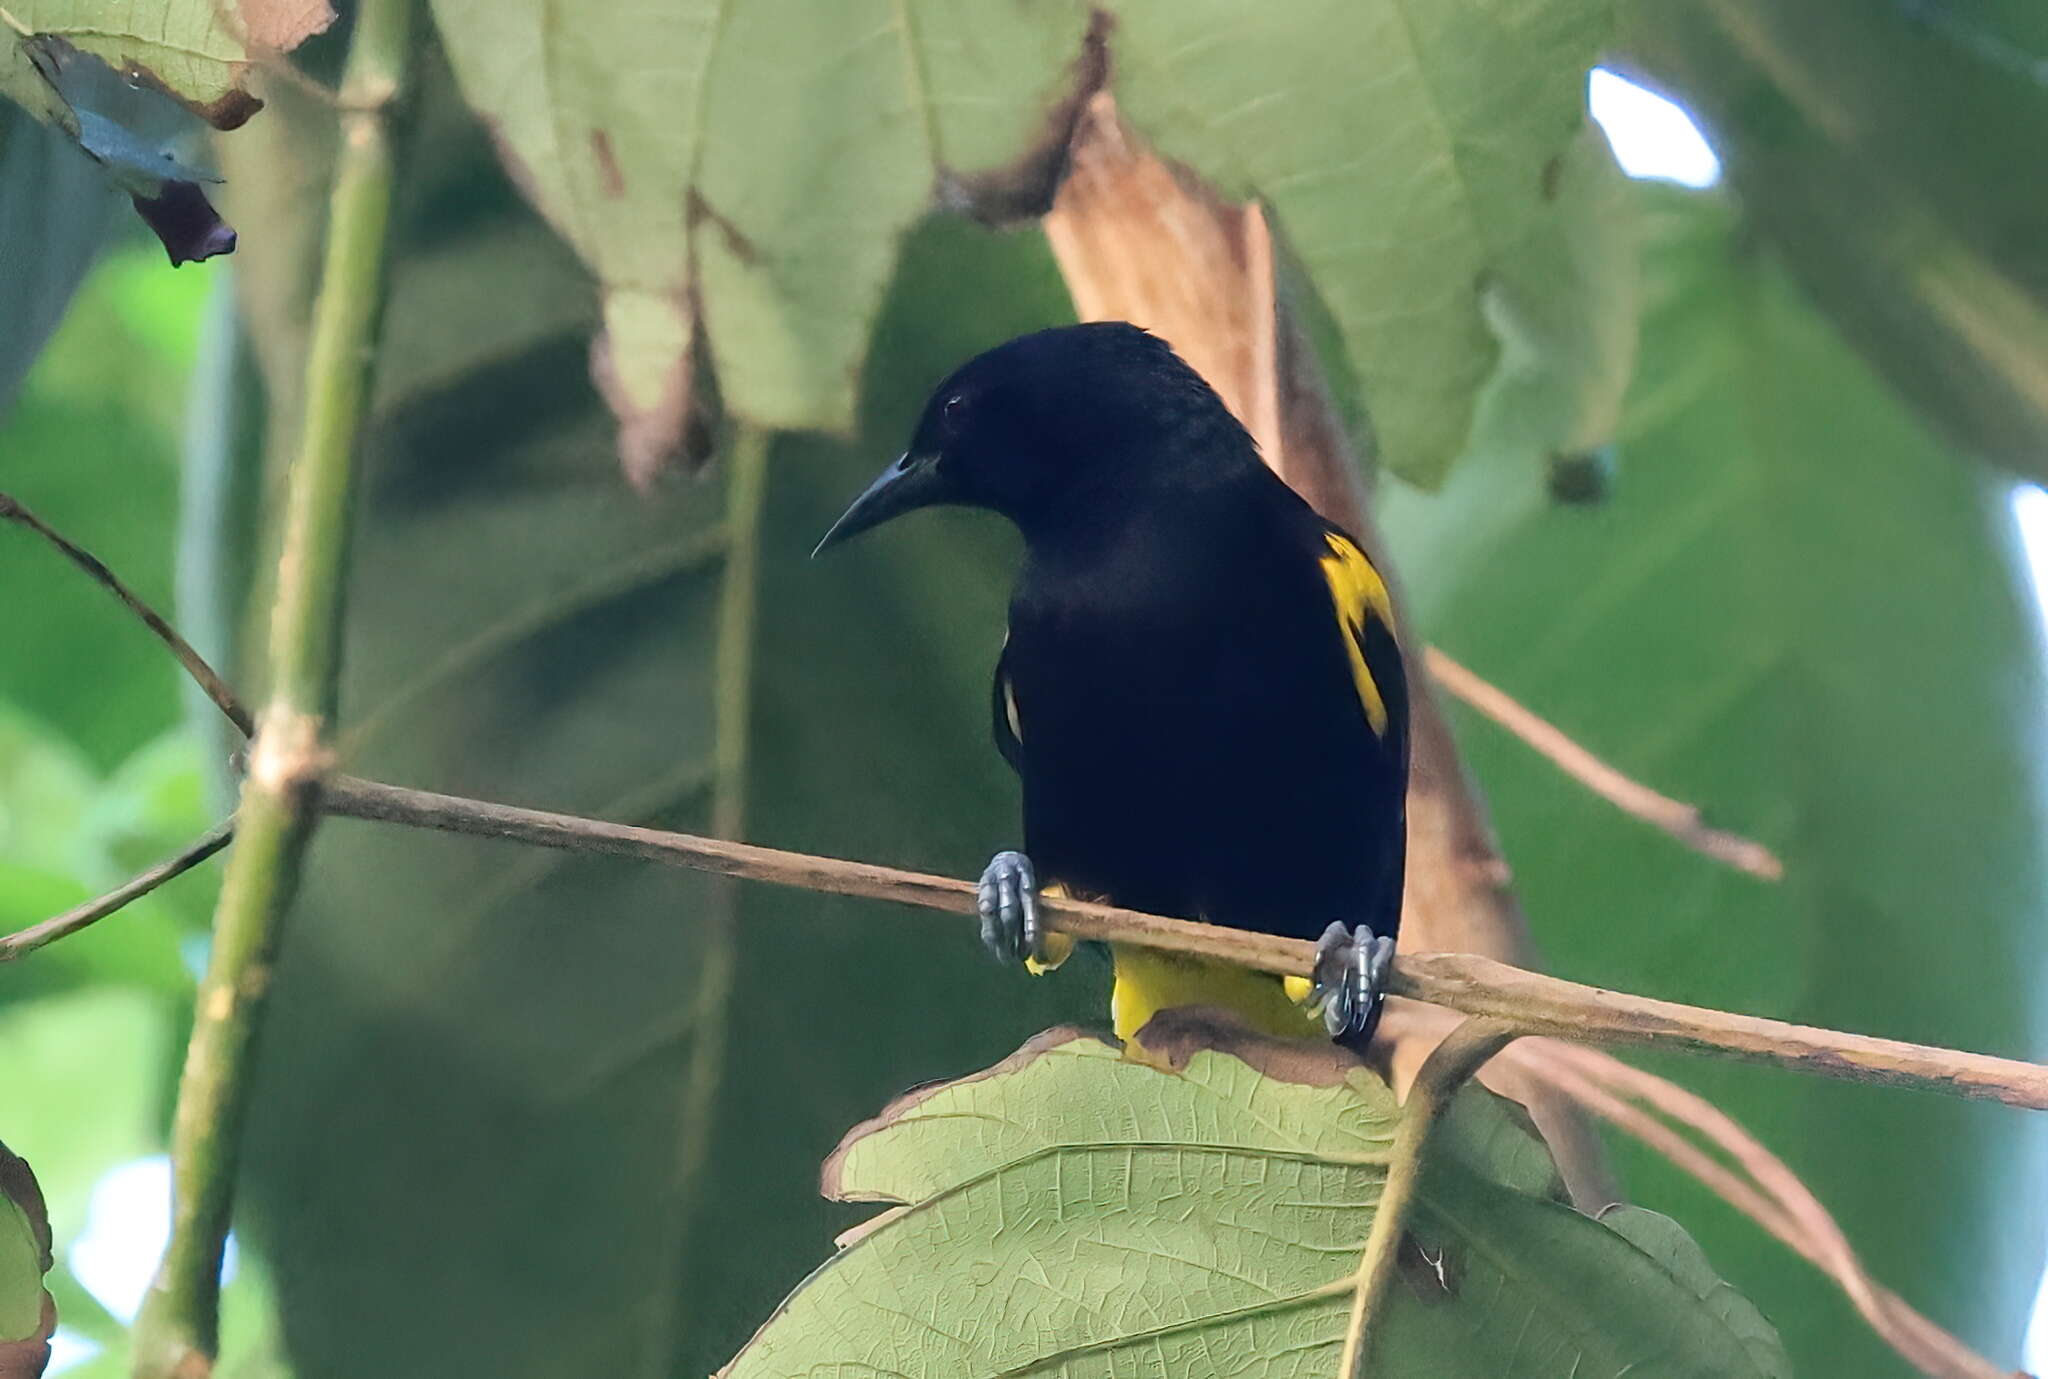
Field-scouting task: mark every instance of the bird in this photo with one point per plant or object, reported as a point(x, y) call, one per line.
point(1201, 689)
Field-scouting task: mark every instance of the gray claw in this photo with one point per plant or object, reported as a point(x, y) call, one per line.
point(1350, 979)
point(1008, 901)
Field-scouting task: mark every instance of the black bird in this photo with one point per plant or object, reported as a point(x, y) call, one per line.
point(1201, 689)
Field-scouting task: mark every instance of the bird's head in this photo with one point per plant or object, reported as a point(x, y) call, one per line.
point(1052, 422)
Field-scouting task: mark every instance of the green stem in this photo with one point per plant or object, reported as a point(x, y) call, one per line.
point(177, 1332)
point(746, 486)
point(1449, 1066)
point(746, 489)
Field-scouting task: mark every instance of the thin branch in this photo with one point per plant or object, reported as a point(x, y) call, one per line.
point(1450, 1066)
point(195, 665)
point(1744, 1173)
point(1760, 1185)
point(1526, 1002)
point(25, 941)
point(177, 1332)
point(1675, 817)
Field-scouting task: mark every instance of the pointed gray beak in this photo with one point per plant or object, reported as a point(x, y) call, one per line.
point(912, 482)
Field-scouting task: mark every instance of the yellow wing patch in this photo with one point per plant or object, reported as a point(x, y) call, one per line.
point(1359, 593)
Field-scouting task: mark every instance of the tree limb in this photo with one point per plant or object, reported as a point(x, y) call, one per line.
point(1675, 817)
point(1526, 1002)
point(1450, 1066)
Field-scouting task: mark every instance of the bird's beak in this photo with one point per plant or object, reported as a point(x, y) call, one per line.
point(913, 481)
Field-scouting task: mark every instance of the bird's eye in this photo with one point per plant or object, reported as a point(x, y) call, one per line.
point(953, 408)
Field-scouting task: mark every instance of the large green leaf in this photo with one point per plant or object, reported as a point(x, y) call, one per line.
point(750, 169)
point(48, 236)
point(1798, 612)
point(1874, 146)
point(1567, 318)
point(1204, 1218)
point(747, 172)
point(111, 77)
point(483, 1087)
point(1411, 154)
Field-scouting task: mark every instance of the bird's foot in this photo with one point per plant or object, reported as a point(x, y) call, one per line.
point(1349, 981)
point(1011, 927)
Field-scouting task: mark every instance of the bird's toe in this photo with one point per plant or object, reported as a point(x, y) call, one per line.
point(1349, 982)
point(1007, 899)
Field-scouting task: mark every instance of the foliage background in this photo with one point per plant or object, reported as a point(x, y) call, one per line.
point(526, 1115)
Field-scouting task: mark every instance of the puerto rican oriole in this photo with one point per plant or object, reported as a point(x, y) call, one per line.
point(1201, 690)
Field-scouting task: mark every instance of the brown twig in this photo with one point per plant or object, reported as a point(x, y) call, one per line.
point(195, 665)
point(1527, 1002)
point(25, 941)
point(1744, 1173)
point(1675, 817)
point(1450, 1066)
point(1759, 1184)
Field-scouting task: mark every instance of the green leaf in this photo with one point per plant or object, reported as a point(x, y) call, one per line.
point(1565, 312)
point(747, 173)
point(27, 1313)
point(752, 169)
point(1901, 217)
point(24, 1251)
point(125, 83)
point(1665, 1241)
point(47, 240)
point(1798, 612)
point(199, 53)
point(1408, 153)
point(1077, 1211)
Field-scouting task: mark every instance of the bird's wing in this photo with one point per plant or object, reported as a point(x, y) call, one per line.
point(1365, 616)
point(1009, 731)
